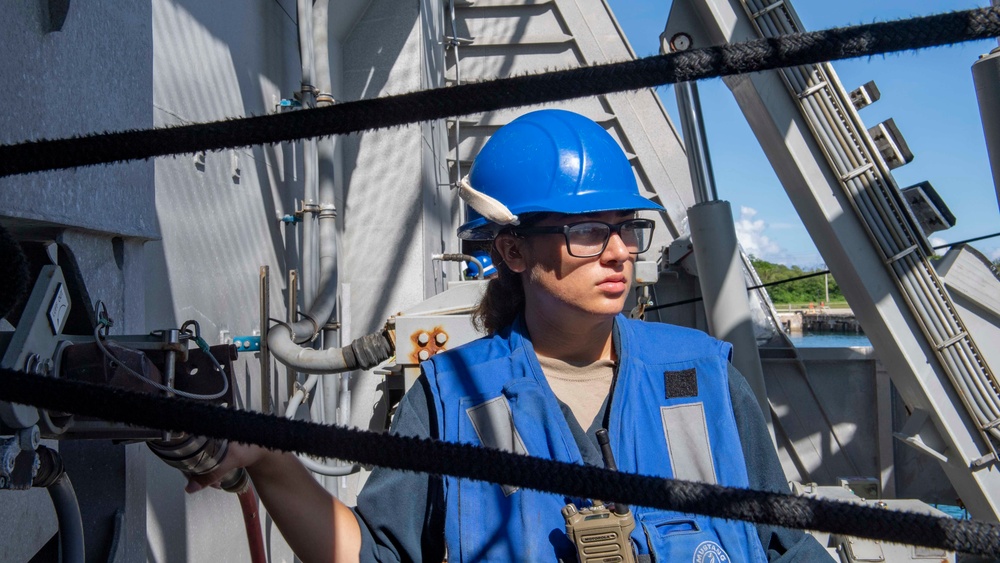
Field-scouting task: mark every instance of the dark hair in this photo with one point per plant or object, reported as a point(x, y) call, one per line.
point(503, 300)
point(504, 297)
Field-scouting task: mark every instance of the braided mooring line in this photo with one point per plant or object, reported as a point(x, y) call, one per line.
point(460, 460)
point(349, 117)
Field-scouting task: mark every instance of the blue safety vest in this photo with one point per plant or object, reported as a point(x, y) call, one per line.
point(670, 416)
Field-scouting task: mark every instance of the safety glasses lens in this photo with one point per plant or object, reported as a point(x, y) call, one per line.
point(590, 238)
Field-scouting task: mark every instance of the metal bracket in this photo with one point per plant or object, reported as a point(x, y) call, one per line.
point(247, 343)
point(920, 433)
point(36, 338)
point(985, 461)
point(18, 460)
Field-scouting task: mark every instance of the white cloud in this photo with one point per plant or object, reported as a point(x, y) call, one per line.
point(995, 254)
point(938, 241)
point(750, 233)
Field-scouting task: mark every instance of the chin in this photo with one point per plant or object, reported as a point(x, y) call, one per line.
point(608, 309)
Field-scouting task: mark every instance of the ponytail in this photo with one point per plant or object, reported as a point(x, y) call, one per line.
point(502, 302)
point(504, 297)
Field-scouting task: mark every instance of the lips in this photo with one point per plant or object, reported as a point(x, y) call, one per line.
point(613, 284)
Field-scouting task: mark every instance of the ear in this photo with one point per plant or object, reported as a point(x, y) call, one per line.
point(509, 248)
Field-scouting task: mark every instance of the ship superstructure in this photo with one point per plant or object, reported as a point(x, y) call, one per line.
point(361, 228)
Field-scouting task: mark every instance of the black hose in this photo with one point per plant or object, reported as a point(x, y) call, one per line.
point(70, 522)
point(51, 474)
point(368, 351)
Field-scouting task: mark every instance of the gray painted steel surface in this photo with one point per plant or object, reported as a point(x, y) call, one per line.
point(879, 300)
point(986, 75)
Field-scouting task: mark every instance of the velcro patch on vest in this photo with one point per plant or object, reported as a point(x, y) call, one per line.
point(683, 383)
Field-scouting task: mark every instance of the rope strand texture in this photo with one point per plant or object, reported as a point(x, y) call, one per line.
point(464, 99)
point(466, 461)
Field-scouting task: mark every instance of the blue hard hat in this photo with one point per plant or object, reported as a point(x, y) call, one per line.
point(488, 268)
point(551, 161)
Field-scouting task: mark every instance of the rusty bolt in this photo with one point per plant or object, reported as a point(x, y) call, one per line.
point(423, 338)
point(441, 338)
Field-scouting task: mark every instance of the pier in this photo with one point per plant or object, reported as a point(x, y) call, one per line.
point(819, 319)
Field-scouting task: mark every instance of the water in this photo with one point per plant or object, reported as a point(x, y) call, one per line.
point(828, 340)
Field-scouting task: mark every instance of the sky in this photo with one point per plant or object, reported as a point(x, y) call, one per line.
point(929, 94)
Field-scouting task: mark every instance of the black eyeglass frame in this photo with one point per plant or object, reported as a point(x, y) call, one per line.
point(612, 228)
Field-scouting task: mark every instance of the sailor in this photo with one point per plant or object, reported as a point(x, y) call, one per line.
point(556, 197)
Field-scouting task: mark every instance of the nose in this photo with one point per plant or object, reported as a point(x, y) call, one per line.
point(616, 249)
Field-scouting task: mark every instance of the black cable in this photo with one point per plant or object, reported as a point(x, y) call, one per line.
point(349, 117)
point(966, 241)
point(810, 275)
point(290, 18)
point(752, 287)
point(495, 466)
point(51, 474)
point(67, 508)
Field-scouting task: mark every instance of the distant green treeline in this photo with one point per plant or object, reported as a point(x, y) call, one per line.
point(804, 291)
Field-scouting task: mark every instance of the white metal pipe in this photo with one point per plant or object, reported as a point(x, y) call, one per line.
point(293, 406)
point(329, 238)
point(305, 360)
point(326, 157)
point(329, 470)
point(366, 351)
point(322, 302)
point(467, 257)
point(310, 277)
point(457, 124)
point(720, 275)
point(839, 159)
point(844, 144)
point(344, 406)
point(695, 142)
point(300, 395)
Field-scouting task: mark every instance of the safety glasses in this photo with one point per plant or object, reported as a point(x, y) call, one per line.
point(587, 239)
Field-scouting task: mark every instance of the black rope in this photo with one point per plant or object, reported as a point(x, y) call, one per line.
point(758, 286)
point(740, 58)
point(483, 464)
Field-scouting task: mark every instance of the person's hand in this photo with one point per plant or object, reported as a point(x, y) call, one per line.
point(237, 456)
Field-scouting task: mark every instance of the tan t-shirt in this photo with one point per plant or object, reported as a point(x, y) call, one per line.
point(581, 387)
